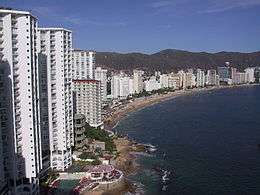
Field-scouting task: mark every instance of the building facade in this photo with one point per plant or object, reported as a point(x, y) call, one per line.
point(88, 101)
point(19, 107)
point(83, 64)
point(101, 75)
point(224, 73)
point(200, 79)
point(56, 44)
point(79, 129)
point(211, 78)
point(121, 86)
point(138, 81)
point(250, 75)
point(152, 84)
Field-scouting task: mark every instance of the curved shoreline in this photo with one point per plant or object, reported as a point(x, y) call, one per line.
point(126, 147)
point(120, 113)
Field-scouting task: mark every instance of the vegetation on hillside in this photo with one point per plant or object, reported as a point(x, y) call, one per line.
point(172, 60)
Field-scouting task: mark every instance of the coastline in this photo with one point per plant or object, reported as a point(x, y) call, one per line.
point(127, 148)
point(143, 102)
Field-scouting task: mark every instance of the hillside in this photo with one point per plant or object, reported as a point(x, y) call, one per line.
point(171, 59)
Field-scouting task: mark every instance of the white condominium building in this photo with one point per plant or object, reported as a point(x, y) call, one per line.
point(138, 81)
point(211, 77)
point(83, 64)
point(200, 79)
point(56, 44)
point(19, 105)
point(182, 79)
point(240, 78)
point(190, 80)
point(152, 84)
point(121, 86)
point(88, 101)
point(164, 80)
point(250, 75)
point(174, 81)
point(101, 75)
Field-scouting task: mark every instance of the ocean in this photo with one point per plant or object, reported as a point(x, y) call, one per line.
point(207, 143)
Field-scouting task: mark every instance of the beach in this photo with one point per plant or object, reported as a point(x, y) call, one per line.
point(121, 111)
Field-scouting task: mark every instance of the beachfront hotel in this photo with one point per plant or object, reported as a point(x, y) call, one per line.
point(101, 75)
point(200, 78)
point(212, 78)
point(87, 98)
point(152, 84)
point(138, 81)
point(121, 86)
point(56, 45)
point(20, 142)
point(83, 64)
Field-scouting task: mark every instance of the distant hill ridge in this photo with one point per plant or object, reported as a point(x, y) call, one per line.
point(172, 60)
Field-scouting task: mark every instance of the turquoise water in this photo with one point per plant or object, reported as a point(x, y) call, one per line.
point(207, 142)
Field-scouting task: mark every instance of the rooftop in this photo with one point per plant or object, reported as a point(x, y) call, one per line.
point(9, 10)
point(53, 29)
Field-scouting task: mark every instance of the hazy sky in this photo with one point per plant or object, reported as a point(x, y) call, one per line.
point(151, 25)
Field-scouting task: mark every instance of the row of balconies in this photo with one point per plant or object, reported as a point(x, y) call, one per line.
point(16, 93)
point(14, 31)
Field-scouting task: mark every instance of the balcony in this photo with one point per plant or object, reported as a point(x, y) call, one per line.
point(18, 113)
point(16, 74)
point(17, 106)
point(18, 126)
point(14, 41)
point(15, 46)
point(16, 80)
point(16, 87)
point(14, 31)
point(19, 144)
point(15, 53)
point(15, 61)
point(19, 150)
point(16, 93)
point(17, 101)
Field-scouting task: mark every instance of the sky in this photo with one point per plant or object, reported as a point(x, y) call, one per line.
point(149, 26)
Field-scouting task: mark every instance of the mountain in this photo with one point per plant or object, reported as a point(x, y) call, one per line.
point(172, 60)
